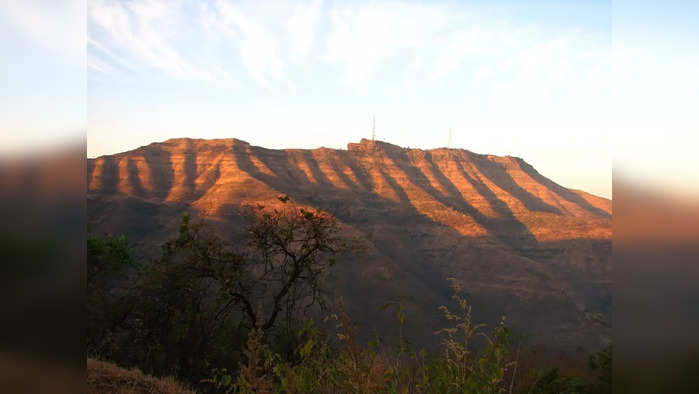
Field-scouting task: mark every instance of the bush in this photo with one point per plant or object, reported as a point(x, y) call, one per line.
point(104, 377)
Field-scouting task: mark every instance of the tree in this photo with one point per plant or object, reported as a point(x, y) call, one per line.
point(601, 365)
point(205, 289)
point(109, 268)
point(291, 251)
point(281, 269)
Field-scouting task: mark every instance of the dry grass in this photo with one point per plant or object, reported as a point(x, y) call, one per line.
point(104, 377)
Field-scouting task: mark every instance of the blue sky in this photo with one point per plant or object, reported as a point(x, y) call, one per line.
point(549, 81)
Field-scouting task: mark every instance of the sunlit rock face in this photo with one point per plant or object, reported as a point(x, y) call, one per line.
point(520, 244)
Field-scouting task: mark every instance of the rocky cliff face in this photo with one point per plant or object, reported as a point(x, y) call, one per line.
point(520, 244)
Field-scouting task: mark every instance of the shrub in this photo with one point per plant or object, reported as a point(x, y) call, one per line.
point(105, 377)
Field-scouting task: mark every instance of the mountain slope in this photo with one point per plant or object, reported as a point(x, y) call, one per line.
point(521, 244)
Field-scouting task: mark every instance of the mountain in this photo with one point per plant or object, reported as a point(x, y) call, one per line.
point(520, 244)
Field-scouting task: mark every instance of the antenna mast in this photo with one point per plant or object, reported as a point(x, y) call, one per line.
point(449, 143)
point(373, 128)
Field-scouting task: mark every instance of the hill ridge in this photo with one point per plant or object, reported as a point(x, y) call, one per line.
point(519, 240)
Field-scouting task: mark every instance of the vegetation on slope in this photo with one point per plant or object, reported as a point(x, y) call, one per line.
point(255, 317)
point(105, 377)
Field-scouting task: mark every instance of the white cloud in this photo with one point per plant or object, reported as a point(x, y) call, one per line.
point(256, 43)
point(455, 51)
point(97, 64)
point(193, 42)
point(446, 41)
point(121, 62)
point(558, 76)
point(302, 25)
point(366, 36)
point(211, 41)
point(147, 31)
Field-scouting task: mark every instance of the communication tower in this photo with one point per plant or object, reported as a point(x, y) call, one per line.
point(373, 128)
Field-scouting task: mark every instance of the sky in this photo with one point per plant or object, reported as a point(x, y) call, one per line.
point(42, 73)
point(564, 85)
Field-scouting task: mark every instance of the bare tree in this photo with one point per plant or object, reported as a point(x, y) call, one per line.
point(281, 269)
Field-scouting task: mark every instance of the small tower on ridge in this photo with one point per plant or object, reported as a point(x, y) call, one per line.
point(449, 142)
point(373, 128)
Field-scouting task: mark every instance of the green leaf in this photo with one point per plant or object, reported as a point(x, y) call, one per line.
point(307, 347)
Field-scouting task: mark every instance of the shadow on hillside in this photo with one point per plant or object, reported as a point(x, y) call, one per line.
point(561, 191)
point(342, 202)
point(497, 174)
point(507, 228)
point(109, 177)
point(434, 250)
point(418, 265)
point(162, 175)
point(190, 169)
point(134, 180)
